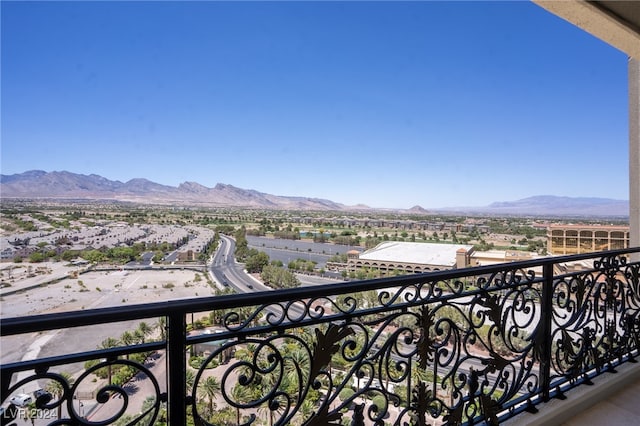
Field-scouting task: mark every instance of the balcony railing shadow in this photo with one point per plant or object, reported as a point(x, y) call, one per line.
point(451, 347)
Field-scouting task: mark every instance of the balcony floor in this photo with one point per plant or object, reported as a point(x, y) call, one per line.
point(612, 400)
point(621, 408)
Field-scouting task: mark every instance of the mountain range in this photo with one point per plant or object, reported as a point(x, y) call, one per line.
point(63, 185)
point(66, 185)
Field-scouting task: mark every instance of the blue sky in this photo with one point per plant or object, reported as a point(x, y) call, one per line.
point(387, 104)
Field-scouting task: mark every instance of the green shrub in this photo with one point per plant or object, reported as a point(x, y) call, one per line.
point(195, 362)
point(346, 393)
point(380, 402)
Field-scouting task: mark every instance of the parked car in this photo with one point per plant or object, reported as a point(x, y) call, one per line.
point(39, 392)
point(21, 400)
point(42, 395)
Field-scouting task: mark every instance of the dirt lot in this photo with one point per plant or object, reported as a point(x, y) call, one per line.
point(101, 289)
point(87, 291)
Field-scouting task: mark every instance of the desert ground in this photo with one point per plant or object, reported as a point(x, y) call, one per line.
point(31, 293)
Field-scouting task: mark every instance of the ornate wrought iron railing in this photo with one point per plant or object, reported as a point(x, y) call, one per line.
point(463, 346)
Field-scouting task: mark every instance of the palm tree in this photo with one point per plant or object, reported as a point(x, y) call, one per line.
point(107, 343)
point(145, 329)
point(222, 417)
point(30, 413)
point(161, 325)
point(307, 334)
point(139, 336)
point(210, 387)
point(189, 380)
point(300, 357)
point(56, 389)
point(305, 410)
point(246, 354)
point(240, 394)
point(127, 338)
point(268, 414)
point(289, 383)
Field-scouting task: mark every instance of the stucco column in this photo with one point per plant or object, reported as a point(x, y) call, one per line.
point(634, 152)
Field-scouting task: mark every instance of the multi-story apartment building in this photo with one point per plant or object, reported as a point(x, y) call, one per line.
point(577, 239)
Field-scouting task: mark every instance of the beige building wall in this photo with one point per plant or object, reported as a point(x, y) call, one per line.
point(578, 239)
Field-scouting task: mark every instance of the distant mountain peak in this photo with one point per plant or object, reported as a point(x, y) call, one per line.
point(417, 209)
point(222, 186)
point(193, 187)
point(138, 180)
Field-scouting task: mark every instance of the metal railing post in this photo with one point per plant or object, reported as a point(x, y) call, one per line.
point(547, 313)
point(176, 369)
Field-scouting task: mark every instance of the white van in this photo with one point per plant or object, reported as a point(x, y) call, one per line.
point(21, 400)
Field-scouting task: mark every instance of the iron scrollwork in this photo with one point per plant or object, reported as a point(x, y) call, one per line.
point(595, 319)
point(451, 347)
point(59, 400)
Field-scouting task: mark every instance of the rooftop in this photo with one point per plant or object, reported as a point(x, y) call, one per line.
point(591, 226)
point(422, 253)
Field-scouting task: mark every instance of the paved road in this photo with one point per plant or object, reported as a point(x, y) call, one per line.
point(228, 272)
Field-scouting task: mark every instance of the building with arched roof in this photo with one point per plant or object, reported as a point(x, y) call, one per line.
point(408, 258)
